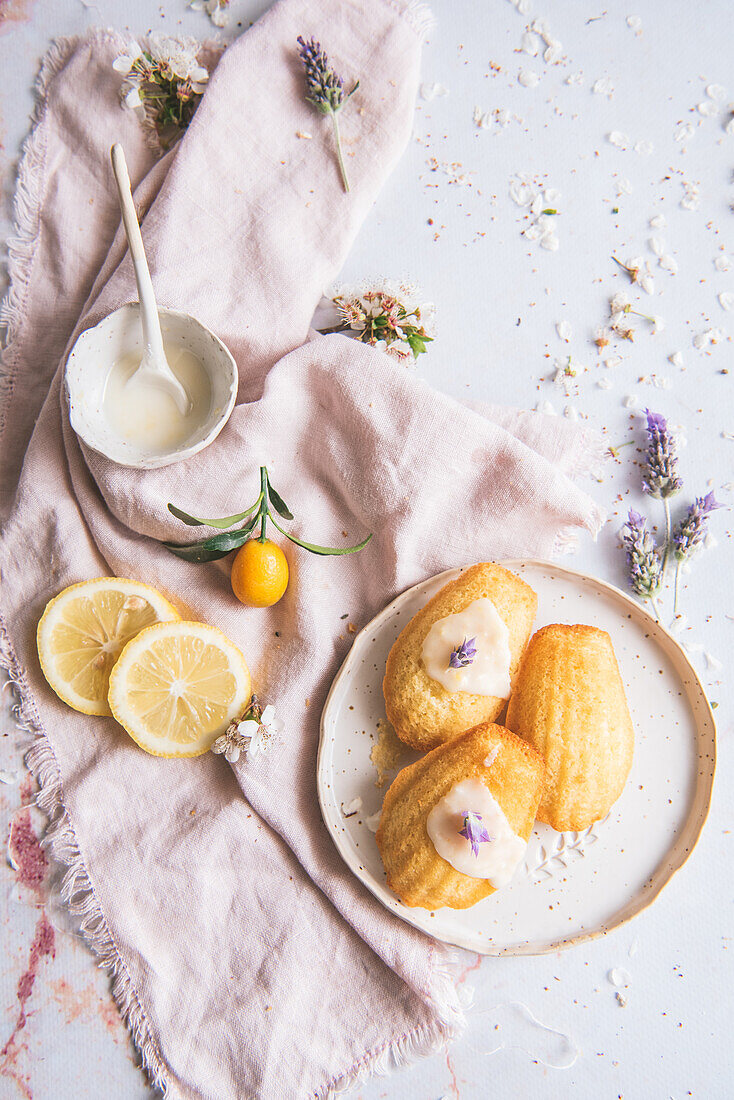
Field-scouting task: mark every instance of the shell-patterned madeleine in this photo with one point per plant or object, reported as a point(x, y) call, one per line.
point(455, 824)
point(569, 704)
point(453, 664)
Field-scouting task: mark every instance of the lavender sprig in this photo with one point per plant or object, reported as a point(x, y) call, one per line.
point(689, 535)
point(464, 654)
point(643, 559)
point(324, 90)
point(660, 473)
point(474, 831)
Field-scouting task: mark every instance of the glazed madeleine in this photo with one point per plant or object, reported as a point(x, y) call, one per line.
point(428, 699)
point(569, 704)
point(475, 799)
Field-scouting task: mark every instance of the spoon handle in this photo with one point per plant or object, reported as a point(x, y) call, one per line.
point(148, 309)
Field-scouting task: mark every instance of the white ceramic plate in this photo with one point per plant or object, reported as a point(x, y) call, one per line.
point(572, 886)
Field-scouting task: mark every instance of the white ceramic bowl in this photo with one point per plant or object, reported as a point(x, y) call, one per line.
point(99, 348)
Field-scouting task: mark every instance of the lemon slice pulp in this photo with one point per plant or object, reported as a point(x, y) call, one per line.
point(177, 686)
point(83, 630)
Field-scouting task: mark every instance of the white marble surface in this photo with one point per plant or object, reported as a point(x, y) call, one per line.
point(499, 299)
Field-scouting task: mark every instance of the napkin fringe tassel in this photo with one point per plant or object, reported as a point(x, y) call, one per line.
point(21, 245)
point(447, 1000)
point(76, 889)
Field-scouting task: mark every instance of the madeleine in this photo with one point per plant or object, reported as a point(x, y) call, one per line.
point(425, 712)
point(488, 761)
point(569, 704)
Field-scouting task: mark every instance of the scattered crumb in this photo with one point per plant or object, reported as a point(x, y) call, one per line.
point(387, 752)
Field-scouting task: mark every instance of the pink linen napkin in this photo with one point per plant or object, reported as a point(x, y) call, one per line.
point(247, 960)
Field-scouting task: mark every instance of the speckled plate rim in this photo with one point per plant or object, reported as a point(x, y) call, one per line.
point(678, 854)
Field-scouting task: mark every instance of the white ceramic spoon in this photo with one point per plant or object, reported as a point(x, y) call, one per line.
point(154, 367)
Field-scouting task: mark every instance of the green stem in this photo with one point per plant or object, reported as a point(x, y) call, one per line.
point(264, 502)
point(655, 608)
point(339, 151)
point(666, 506)
point(676, 590)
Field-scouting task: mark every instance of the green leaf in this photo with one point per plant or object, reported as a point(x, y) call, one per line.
point(278, 503)
point(549, 210)
point(226, 521)
point(417, 343)
point(218, 546)
point(328, 551)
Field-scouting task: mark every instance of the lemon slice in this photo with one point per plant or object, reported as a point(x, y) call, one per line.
point(177, 686)
point(83, 630)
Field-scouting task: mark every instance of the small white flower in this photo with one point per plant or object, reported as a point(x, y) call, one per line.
point(619, 303)
point(249, 736)
point(259, 735)
point(132, 98)
point(124, 63)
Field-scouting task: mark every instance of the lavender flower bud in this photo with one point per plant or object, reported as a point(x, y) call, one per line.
point(324, 88)
point(474, 831)
point(643, 557)
point(659, 477)
point(691, 531)
point(464, 654)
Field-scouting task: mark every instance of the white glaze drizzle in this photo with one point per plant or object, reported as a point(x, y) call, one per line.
point(497, 858)
point(489, 671)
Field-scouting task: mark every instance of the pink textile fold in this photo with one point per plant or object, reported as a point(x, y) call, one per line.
point(217, 900)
